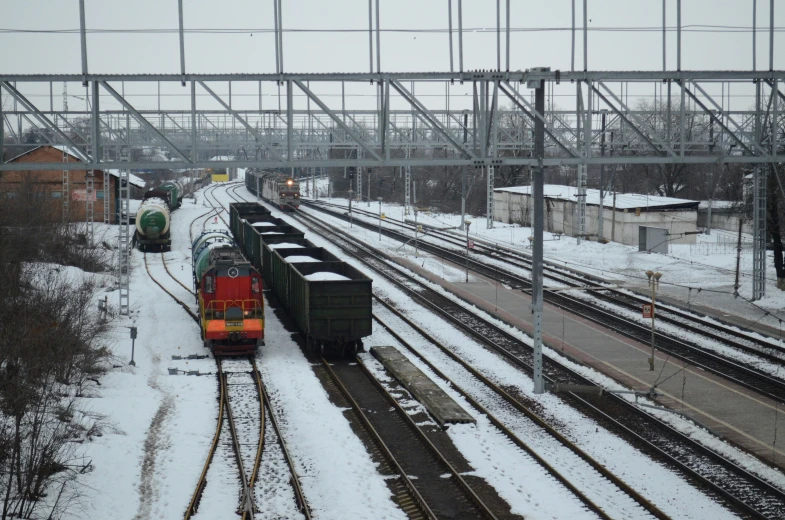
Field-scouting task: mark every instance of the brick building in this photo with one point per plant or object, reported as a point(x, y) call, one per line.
point(48, 184)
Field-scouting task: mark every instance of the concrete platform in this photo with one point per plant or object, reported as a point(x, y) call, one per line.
point(742, 416)
point(441, 406)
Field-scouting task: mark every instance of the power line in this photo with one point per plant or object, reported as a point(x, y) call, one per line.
point(490, 30)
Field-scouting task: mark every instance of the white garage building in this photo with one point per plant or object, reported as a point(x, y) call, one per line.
point(647, 221)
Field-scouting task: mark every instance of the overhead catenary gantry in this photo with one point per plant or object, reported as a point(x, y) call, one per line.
point(487, 119)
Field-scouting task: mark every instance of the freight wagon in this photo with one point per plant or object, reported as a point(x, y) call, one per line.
point(329, 300)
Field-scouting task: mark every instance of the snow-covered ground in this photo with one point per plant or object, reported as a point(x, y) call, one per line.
point(148, 466)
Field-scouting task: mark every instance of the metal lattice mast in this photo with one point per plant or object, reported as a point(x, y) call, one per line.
point(359, 171)
point(492, 155)
point(407, 185)
point(124, 264)
point(582, 174)
point(759, 234)
point(66, 189)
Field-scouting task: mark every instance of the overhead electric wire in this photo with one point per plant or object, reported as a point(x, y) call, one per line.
point(490, 30)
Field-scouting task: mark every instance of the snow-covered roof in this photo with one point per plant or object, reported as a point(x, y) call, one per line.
point(623, 200)
point(133, 180)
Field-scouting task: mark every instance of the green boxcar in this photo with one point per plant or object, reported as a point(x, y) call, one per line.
point(239, 211)
point(249, 234)
point(333, 315)
point(281, 270)
point(267, 253)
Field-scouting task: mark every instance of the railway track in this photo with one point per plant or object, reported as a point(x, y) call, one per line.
point(245, 408)
point(745, 373)
point(731, 484)
point(599, 476)
point(407, 449)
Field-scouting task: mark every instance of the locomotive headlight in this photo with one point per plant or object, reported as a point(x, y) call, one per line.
point(246, 314)
point(290, 182)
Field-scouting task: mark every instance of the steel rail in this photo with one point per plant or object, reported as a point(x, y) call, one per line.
point(515, 403)
point(302, 503)
point(376, 437)
point(715, 457)
point(193, 505)
point(246, 502)
point(260, 446)
point(175, 298)
point(486, 510)
point(163, 259)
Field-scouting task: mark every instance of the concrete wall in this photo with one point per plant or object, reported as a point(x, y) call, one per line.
point(724, 219)
point(50, 184)
point(561, 216)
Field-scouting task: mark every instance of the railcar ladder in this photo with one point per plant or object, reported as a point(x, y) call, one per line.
point(124, 260)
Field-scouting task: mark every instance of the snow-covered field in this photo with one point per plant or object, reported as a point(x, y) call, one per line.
point(147, 468)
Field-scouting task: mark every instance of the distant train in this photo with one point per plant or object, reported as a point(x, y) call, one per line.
point(229, 292)
point(328, 299)
point(153, 218)
point(276, 188)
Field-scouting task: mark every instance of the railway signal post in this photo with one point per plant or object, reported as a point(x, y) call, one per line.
point(133, 342)
point(351, 192)
point(467, 223)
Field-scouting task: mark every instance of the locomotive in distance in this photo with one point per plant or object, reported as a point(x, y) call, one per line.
point(275, 187)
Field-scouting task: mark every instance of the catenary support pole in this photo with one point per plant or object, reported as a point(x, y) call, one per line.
point(449, 29)
point(664, 38)
point(83, 39)
point(601, 212)
point(537, 244)
point(460, 35)
point(182, 42)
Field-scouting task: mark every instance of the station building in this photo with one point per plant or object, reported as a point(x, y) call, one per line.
point(647, 221)
point(49, 184)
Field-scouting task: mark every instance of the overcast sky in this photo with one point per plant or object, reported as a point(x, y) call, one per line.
point(717, 35)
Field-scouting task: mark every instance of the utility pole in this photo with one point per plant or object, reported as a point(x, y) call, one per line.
point(601, 216)
point(463, 170)
point(468, 223)
point(538, 177)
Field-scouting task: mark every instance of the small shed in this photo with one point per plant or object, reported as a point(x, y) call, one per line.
point(624, 214)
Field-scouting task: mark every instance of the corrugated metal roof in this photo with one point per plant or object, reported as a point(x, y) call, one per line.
point(623, 200)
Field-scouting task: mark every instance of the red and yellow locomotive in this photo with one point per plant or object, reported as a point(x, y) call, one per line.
point(229, 292)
